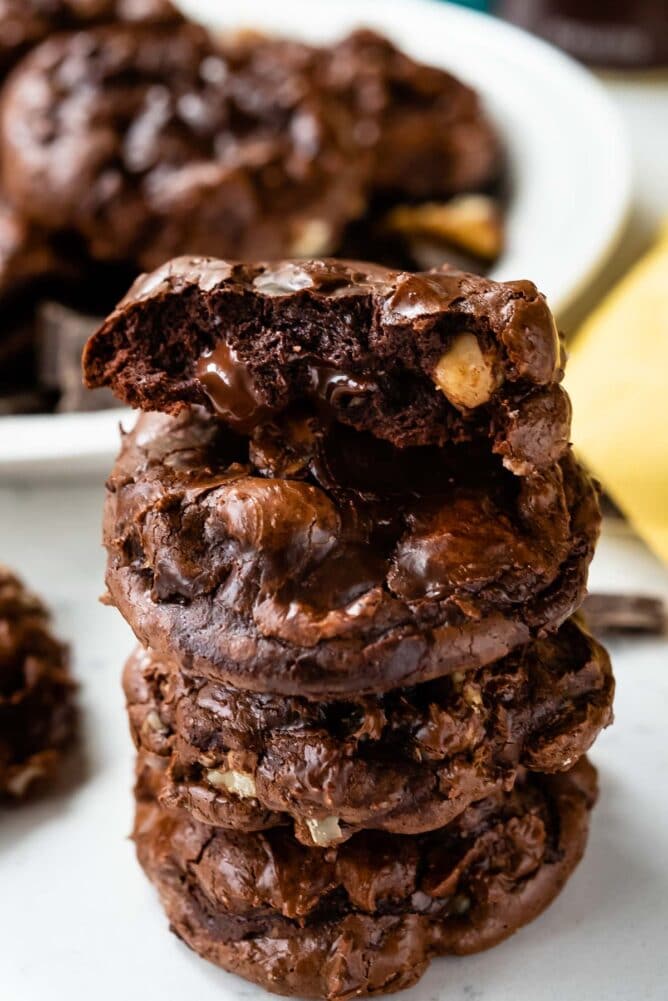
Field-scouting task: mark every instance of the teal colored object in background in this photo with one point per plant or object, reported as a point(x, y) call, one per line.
point(477, 4)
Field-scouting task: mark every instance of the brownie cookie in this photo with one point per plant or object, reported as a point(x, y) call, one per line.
point(406, 762)
point(416, 359)
point(368, 916)
point(151, 141)
point(25, 23)
point(429, 134)
point(335, 563)
point(36, 709)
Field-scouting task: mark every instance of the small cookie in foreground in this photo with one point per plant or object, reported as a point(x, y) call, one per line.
point(367, 917)
point(37, 714)
point(319, 561)
point(407, 762)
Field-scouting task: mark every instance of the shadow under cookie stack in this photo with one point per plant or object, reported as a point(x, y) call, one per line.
point(350, 536)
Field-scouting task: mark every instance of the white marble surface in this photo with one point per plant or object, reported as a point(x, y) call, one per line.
point(79, 922)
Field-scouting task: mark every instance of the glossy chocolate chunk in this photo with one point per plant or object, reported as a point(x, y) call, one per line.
point(642, 614)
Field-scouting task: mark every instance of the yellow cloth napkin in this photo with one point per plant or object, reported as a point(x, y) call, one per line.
point(617, 377)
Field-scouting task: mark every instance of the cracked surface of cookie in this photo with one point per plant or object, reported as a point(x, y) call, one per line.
point(36, 692)
point(406, 762)
point(333, 563)
point(367, 917)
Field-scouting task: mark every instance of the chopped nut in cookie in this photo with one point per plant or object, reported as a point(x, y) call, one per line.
point(238, 783)
point(464, 374)
point(153, 722)
point(325, 831)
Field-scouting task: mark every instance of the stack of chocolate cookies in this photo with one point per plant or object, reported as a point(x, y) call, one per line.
point(350, 538)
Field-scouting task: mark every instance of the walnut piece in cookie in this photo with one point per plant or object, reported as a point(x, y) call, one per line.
point(464, 374)
point(37, 714)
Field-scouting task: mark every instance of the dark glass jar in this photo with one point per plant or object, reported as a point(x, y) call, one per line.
point(615, 33)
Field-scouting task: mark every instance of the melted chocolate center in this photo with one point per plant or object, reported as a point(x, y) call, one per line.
point(229, 385)
point(330, 386)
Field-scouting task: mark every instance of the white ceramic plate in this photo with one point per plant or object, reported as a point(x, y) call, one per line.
point(568, 158)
